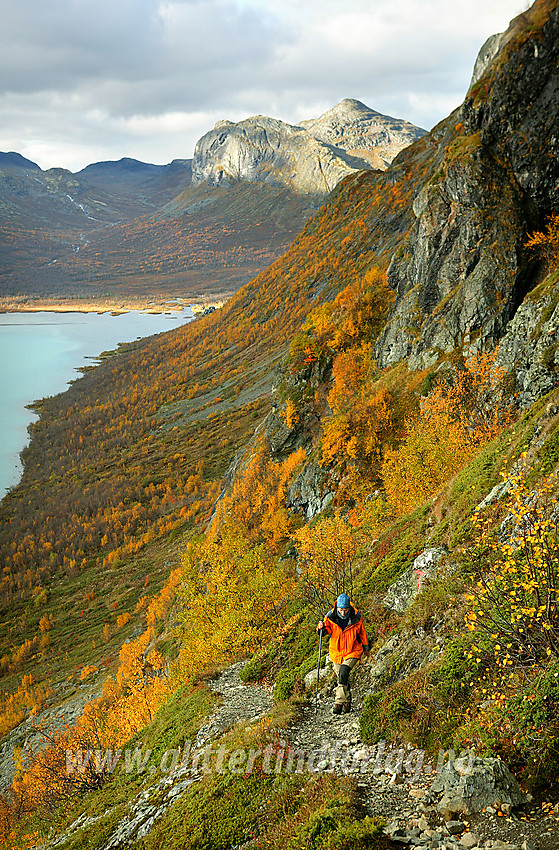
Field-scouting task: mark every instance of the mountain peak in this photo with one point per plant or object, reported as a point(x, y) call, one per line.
point(311, 157)
point(348, 109)
point(124, 165)
point(362, 132)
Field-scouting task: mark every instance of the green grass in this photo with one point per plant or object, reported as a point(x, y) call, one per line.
point(288, 659)
point(425, 707)
point(175, 723)
point(548, 455)
point(396, 550)
point(287, 812)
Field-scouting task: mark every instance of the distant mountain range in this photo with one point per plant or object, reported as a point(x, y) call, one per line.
point(132, 231)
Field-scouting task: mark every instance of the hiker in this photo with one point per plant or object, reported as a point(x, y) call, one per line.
point(348, 641)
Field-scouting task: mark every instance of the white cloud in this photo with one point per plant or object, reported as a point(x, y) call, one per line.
point(82, 81)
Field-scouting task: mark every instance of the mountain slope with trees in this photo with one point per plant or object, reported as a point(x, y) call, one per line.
point(378, 411)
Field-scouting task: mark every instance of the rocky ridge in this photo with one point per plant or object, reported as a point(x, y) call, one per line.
point(309, 158)
point(362, 132)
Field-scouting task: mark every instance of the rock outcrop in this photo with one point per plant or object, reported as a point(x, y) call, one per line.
point(310, 158)
point(471, 784)
point(402, 593)
point(462, 270)
point(308, 492)
point(530, 346)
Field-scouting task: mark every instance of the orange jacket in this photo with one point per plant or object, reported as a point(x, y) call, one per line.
point(348, 642)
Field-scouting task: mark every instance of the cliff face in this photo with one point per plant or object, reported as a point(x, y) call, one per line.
point(265, 149)
point(310, 158)
point(462, 271)
point(449, 219)
point(459, 270)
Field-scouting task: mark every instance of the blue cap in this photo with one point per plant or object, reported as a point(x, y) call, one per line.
point(342, 601)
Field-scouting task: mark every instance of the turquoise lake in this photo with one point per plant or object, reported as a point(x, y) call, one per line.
point(39, 355)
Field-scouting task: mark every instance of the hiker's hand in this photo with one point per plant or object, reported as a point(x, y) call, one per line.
point(366, 652)
point(320, 625)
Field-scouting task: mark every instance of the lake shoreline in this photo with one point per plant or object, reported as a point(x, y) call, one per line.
point(11, 305)
point(44, 351)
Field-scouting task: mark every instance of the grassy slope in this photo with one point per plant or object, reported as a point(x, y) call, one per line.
point(361, 226)
point(425, 705)
point(103, 454)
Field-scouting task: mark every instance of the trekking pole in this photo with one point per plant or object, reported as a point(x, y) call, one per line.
point(318, 668)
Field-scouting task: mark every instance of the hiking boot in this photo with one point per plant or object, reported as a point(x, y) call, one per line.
point(347, 707)
point(337, 708)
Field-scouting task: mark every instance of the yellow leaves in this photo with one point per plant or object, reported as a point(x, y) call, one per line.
point(327, 551)
point(86, 671)
point(46, 622)
point(27, 699)
point(231, 595)
point(545, 243)
point(352, 447)
point(123, 619)
point(356, 312)
point(159, 605)
point(256, 501)
point(361, 417)
point(515, 601)
point(291, 414)
point(454, 421)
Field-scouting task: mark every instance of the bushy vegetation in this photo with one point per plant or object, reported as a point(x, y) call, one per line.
point(123, 491)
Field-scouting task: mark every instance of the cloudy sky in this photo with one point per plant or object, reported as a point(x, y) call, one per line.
point(89, 80)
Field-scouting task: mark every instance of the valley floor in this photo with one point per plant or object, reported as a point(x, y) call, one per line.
point(78, 305)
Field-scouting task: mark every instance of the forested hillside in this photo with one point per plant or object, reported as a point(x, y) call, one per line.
point(376, 412)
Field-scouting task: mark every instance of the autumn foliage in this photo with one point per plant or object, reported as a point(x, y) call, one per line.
point(454, 421)
point(255, 503)
point(127, 704)
point(514, 599)
point(327, 551)
point(545, 243)
point(232, 598)
point(361, 417)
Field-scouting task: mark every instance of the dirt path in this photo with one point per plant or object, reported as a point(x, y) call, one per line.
point(392, 783)
point(240, 702)
point(337, 738)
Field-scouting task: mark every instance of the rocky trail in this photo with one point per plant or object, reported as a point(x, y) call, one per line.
point(416, 796)
point(240, 702)
point(397, 784)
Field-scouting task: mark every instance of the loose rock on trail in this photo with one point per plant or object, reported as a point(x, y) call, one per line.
point(393, 782)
